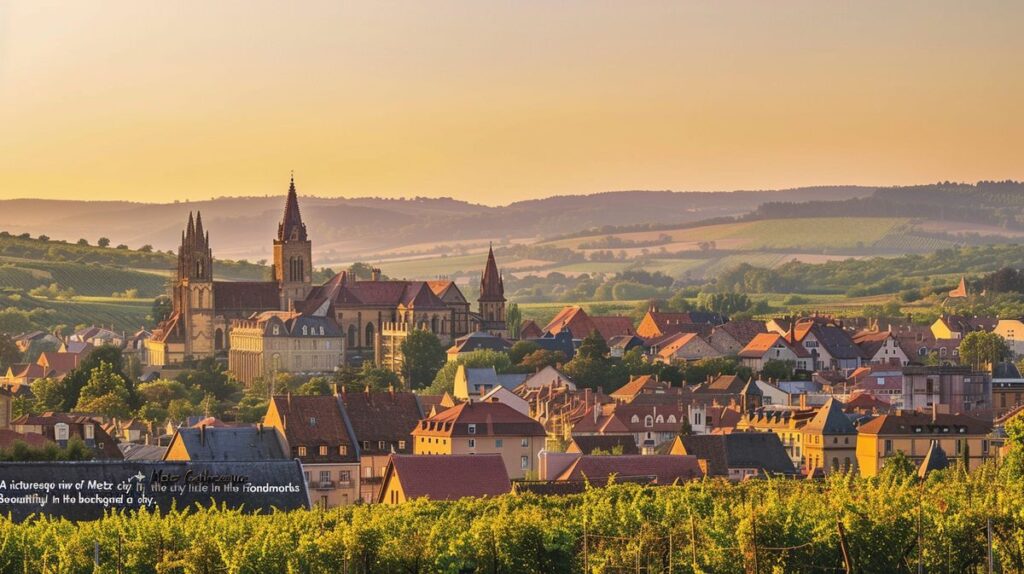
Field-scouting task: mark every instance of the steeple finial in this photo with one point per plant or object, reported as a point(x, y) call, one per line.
point(492, 287)
point(291, 227)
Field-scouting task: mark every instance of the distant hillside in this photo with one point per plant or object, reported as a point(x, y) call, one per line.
point(372, 228)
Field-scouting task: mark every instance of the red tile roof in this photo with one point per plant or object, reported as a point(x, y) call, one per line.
point(314, 421)
point(382, 417)
point(491, 419)
point(664, 469)
point(447, 477)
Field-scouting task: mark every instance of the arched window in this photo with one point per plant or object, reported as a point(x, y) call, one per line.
point(435, 325)
point(846, 463)
point(635, 419)
point(648, 421)
point(671, 419)
point(835, 463)
point(218, 339)
point(660, 419)
point(369, 335)
point(353, 336)
point(922, 352)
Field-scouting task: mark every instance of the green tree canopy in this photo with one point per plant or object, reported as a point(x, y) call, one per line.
point(105, 393)
point(444, 381)
point(423, 356)
point(981, 350)
point(593, 346)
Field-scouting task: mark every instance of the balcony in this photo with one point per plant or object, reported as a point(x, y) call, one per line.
point(321, 485)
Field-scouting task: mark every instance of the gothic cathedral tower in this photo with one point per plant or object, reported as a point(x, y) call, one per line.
point(492, 299)
point(193, 290)
point(293, 254)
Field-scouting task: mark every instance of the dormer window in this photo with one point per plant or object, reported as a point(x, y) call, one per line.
point(648, 421)
point(323, 450)
point(277, 330)
point(312, 421)
point(301, 451)
point(471, 429)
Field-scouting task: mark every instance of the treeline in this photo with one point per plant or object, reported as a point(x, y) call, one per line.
point(887, 524)
point(857, 277)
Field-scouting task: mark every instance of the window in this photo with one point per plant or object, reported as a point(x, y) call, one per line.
point(888, 446)
point(302, 451)
point(368, 471)
point(497, 443)
point(648, 421)
point(401, 445)
point(325, 476)
point(380, 445)
point(344, 476)
point(524, 462)
point(472, 443)
point(635, 419)
point(305, 476)
point(323, 450)
point(472, 429)
point(525, 443)
point(366, 445)
point(343, 450)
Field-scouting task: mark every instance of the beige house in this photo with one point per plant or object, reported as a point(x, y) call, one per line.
point(686, 347)
point(1013, 331)
point(483, 428)
point(284, 342)
point(912, 433)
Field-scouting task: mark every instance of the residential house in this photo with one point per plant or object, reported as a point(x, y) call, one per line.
point(786, 422)
point(954, 389)
point(483, 428)
point(477, 341)
point(881, 381)
point(913, 432)
point(1007, 388)
point(577, 322)
point(26, 341)
point(707, 418)
point(451, 477)
point(505, 396)
point(529, 329)
point(250, 443)
point(643, 385)
point(656, 324)
point(60, 428)
point(881, 348)
point(649, 425)
point(1012, 330)
point(318, 433)
point(957, 326)
point(732, 337)
point(830, 440)
point(683, 347)
point(549, 376)
point(765, 347)
point(477, 382)
point(619, 345)
point(738, 455)
point(382, 423)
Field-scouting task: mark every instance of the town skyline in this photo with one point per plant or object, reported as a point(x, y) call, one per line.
point(496, 104)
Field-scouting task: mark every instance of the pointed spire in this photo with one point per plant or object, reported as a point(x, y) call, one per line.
point(492, 288)
point(291, 226)
point(190, 231)
point(200, 235)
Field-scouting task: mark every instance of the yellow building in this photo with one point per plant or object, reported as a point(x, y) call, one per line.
point(912, 433)
point(829, 440)
point(483, 428)
point(284, 342)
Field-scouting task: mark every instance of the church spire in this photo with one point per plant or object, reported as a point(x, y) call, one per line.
point(200, 236)
point(291, 227)
point(190, 231)
point(492, 288)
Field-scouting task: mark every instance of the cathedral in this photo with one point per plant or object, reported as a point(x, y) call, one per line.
point(367, 312)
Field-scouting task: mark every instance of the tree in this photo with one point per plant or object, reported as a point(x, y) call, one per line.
point(83, 242)
point(161, 309)
point(210, 376)
point(50, 394)
point(513, 319)
point(593, 346)
point(79, 377)
point(315, 386)
point(540, 359)
point(20, 451)
point(178, 410)
point(981, 350)
point(898, 467)
point(9, 353)
point(588, 372)
point(520, 350)
point(377, 378)
point(106, 393)
point(147, 248)
point(777, 370)
point(103, 242)
point(423, 356)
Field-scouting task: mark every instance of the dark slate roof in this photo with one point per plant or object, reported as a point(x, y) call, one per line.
point(229, 443)
point(246, 295)
point(836, 341)
point(935, 460)
point(477, 341)
point(560, 342)
point(1005, 370)
point(664, 469)
point(830, 420)
point(587, 444)
point(761, 450)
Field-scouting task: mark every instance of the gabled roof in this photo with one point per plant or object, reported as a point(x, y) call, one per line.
point(830, 419)
point(529, 330)
point(447, 477)
point(313, 421)
point(638, 385)
point(739, 450)
point(479, 340)
point(764, 342)
point(833, 338)
point(382, 416)
point(587, 444)
point(920, 423)
point(574, 319)
point(743, 330)
point(663, 469)
point(723, 385)
point(229, 443)
point(871, 342)
point(489, 419)
point(242, 296)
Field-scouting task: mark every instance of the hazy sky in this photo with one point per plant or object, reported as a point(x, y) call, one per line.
point(500, 101)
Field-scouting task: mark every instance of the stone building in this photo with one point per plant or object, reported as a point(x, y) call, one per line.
point(284, 342)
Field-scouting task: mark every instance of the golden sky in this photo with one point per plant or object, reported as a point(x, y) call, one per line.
point(497, 101)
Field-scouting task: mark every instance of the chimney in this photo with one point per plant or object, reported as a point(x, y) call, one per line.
point(202, 435)
point(375, 274)
point(935, 411)
point(289, 396)
point(334, 389)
